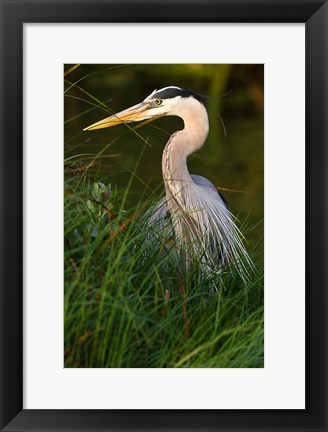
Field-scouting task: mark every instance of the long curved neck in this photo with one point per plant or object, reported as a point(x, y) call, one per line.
point(181, 144)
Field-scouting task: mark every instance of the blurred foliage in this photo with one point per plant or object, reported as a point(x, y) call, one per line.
point(233, 162)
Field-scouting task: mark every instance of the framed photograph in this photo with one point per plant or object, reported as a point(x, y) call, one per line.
point(163, 230)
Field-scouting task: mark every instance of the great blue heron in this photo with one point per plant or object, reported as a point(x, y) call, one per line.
point(203, 226)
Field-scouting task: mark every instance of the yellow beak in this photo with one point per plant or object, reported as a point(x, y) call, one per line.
point(135, 113)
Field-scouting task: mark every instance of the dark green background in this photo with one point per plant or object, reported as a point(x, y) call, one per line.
point(234, 161)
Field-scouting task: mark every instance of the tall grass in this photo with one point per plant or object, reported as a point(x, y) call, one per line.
point(127, 305)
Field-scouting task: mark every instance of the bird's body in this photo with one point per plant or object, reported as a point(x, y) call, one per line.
point(192, 210)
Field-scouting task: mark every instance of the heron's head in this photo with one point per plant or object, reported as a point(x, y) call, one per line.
point(168, 101)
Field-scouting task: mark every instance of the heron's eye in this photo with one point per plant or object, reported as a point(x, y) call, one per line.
point(158, 101)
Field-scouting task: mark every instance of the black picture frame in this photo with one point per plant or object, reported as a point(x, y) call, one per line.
point(314, 13)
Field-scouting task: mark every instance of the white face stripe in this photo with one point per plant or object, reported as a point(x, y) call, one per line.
point(164, 88)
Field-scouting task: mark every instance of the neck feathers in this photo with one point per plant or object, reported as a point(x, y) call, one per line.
point(183, 143)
